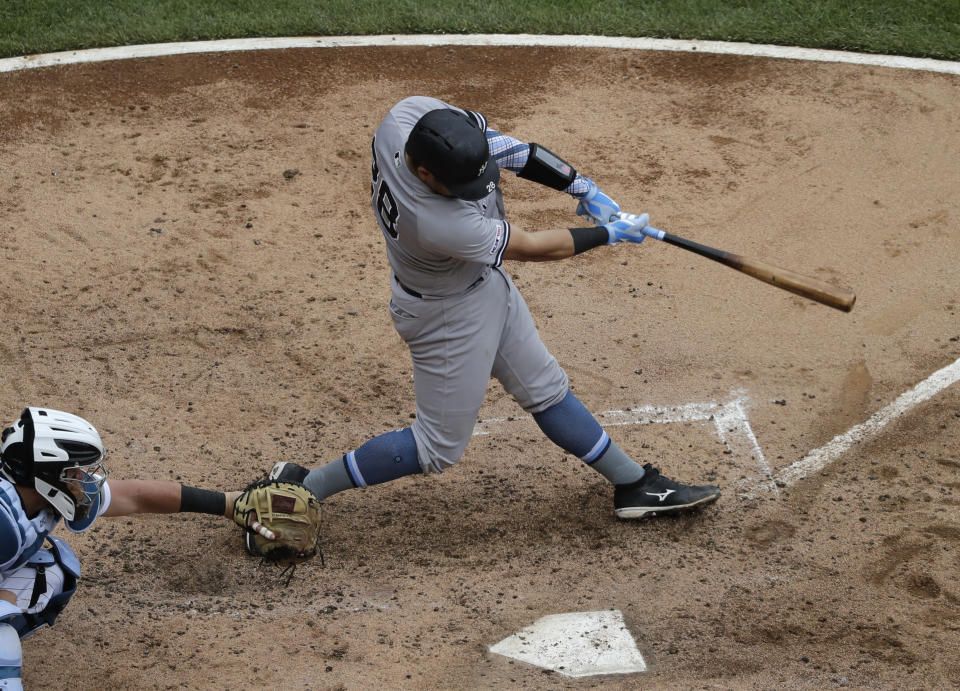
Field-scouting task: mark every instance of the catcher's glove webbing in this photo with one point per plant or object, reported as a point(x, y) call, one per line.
point(288, 511)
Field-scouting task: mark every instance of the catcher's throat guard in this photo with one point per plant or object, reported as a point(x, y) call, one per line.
point(288, 510)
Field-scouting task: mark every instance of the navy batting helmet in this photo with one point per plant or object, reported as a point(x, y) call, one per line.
point(452, 146)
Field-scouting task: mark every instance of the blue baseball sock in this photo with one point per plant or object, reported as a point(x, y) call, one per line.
point(382, 459)
point(569, 425)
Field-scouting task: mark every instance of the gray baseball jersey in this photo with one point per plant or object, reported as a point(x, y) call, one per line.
point(436, 245)
point(460, 315)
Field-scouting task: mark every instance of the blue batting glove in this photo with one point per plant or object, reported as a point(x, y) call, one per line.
point(628, 228)
point(597, 206)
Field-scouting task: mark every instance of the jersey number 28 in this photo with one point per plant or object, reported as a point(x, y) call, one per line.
point(381, 197)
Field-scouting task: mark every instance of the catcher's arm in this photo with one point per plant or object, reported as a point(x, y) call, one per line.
point(157, 496)
point(142, 496)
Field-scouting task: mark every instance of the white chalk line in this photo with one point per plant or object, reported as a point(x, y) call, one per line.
point(737, 422)
point(818, 459)
point(152, 50)
point(733, 428)
point(640, 415)
point(730, 420)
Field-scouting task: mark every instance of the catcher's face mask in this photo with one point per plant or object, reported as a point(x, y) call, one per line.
point(80, 484)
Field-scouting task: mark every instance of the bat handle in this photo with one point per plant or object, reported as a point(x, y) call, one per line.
point(654, 233)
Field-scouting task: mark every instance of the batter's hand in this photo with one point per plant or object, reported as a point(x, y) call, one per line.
point(627, 228)
point(597, 206)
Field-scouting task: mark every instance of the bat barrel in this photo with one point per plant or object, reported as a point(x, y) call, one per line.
point(805, 286)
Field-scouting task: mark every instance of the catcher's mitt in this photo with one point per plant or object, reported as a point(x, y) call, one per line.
point(281, 520)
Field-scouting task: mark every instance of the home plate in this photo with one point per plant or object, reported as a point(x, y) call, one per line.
point(576, 644)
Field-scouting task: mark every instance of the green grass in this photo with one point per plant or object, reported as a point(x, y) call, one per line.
point(923, 28)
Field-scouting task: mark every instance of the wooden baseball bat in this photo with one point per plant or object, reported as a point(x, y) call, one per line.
point(806, 286)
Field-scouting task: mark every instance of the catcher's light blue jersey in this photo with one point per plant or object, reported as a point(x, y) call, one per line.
point(21, 536)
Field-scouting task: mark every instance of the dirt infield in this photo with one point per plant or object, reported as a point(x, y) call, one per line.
point(191, 264)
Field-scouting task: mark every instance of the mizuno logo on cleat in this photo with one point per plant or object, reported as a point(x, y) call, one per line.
point(661, 496)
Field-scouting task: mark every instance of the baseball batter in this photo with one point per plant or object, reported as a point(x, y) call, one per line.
point(436, 197)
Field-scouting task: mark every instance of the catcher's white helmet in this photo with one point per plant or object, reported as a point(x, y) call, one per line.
point(58, 454)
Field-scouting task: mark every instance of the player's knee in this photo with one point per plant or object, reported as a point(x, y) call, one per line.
point(542, 403)
point(441, 446)
point(436, 460)
point(9, 611)
point(434, 455)
point(537, 393)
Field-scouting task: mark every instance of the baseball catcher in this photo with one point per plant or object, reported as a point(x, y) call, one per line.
point(52, 471)
point(281, 520)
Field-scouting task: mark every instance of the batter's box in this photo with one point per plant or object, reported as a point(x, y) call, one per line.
point(693, 436)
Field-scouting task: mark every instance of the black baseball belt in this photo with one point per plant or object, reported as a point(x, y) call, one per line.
point(410, 291)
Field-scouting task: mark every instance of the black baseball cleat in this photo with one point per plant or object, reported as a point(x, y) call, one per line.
point(655, 495)
point(284, 471)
